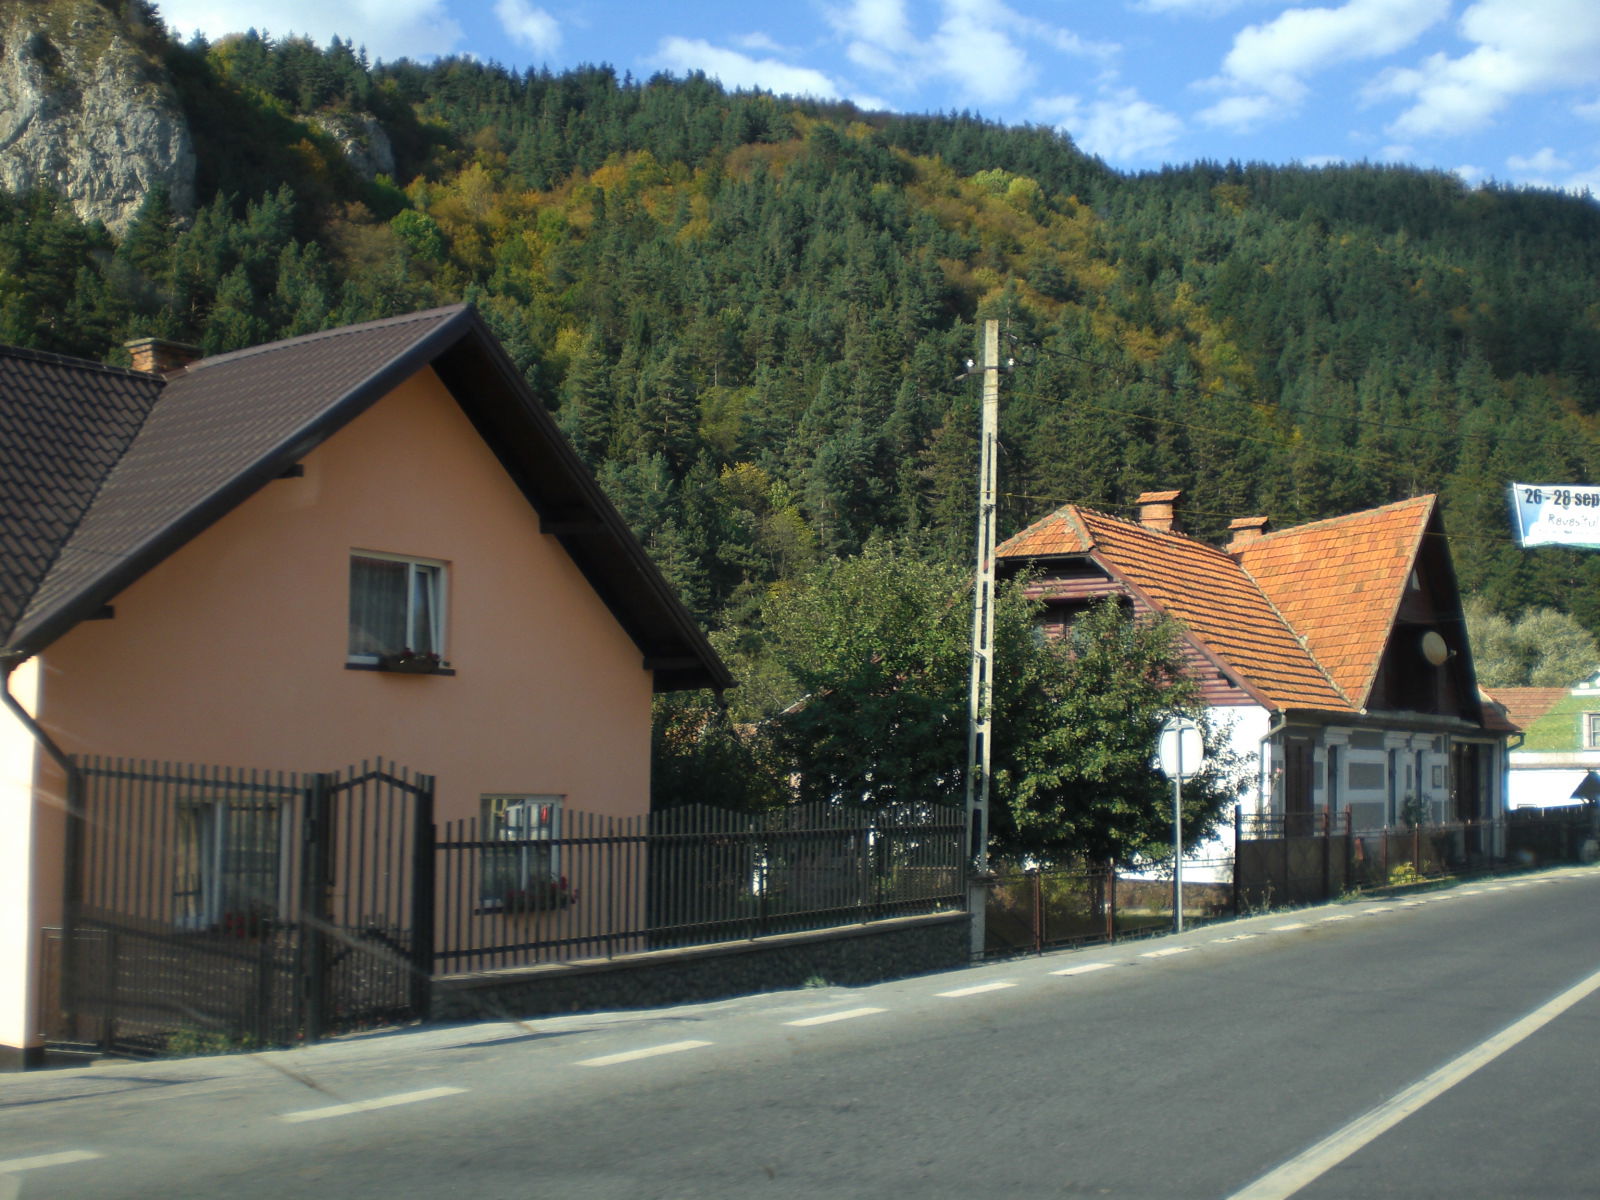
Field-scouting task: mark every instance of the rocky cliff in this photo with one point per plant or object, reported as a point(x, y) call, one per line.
point(88, 111)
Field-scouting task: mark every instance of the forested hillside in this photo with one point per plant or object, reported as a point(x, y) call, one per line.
point(750, 312)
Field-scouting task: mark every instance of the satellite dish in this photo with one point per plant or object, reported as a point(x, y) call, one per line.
point(1434, 649)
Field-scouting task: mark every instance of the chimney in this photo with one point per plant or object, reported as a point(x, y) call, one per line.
point(157, 356)
point(1158, 511)
point(1246, 530)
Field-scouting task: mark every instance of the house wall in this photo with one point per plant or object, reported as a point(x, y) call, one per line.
point(18, 924)
point(233, 650)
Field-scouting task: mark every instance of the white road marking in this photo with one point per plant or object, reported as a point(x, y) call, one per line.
point(611, 1060)
point(1167, 952)
point(828, 1018)
point(1331, 1151)
point(1339, 917)
point(1473, 892)
point(1238, 937)
point(1378, 912)
point(1291, 925)
point(59, 1159)
point(973, 991)
point(1084, 968)
point(356, 1106)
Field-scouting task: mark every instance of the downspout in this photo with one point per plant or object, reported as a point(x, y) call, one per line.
point(37, 730)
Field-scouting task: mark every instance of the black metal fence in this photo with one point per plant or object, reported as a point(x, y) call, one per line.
point(210, 907)
point(591, 885)
point(1273, 866)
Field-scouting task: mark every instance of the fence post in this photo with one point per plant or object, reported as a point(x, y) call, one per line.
point(1111, 899)
point(1349, 846)
point(424, 859)
point(1416, 849)
point(1038, 912)
point(1327, 854)
point(313, 915)
point(1237, 818)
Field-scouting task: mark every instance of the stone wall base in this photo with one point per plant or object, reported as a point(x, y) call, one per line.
point(854, 954)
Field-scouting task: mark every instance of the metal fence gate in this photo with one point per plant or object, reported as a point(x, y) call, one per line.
point(210, 907)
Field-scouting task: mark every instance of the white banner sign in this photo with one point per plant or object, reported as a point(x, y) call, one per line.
point(1556, 514)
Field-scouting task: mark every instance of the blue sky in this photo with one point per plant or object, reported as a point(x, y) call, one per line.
point(1507, 90)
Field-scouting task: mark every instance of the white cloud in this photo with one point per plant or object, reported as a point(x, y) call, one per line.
point(1117, 125)
point(1241, 112)
point(737, 70)
point(1589, 112)
point(533, 27)
point(756, 41)
point(1545, 162)
point(1469, 174)
point(986, 49)
point(1204, 8)
point(1521, 47)
point(389, 29)
point(1268, 63)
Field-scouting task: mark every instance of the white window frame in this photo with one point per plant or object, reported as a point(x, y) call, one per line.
point(210, 864)
point(1591, 731)
point(525, 819)
point(430, 573)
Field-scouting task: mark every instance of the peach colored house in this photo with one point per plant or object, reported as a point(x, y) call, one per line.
point(368, 541)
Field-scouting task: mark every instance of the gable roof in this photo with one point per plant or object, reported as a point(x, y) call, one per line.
point(1304, 616)
point(1526, 705)
point(226, 426)
point(1339, 584)
point(1223, 610)
point(64, 423)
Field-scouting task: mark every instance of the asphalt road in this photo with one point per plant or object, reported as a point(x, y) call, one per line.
point(1341, 1052)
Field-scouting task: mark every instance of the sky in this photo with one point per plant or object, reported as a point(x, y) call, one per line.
point(1493, 90)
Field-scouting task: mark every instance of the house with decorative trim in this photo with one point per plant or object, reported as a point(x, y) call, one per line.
point(1334, 653)
point(368, 541)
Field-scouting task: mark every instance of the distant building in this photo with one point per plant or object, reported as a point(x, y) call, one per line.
point(1557, 761)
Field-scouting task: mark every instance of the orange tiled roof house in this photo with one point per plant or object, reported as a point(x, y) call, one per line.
point(1336, 651)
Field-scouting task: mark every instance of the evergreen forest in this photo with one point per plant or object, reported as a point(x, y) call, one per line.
point(750, 313)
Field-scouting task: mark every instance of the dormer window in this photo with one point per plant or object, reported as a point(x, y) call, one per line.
point(396, 608)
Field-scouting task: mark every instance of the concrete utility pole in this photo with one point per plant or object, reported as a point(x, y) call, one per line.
point(980, 702)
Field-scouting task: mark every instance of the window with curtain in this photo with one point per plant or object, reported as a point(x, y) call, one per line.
point(396, 606)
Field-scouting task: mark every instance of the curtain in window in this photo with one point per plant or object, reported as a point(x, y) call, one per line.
point(378, 590)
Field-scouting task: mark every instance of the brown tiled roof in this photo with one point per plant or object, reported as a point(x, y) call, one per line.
point(1199, 585)
point(1525, 705)
point(1339, 584)
point(63, 423)
point(137, 488)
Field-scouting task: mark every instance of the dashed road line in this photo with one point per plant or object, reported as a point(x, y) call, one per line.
point(357, 1106)
point(973, 991)
point(611, 1060)
point(1084, 968)
point(1238, 937)
point(848, 1014)
point(1167, 953)
point(1291, 925)
point(1339, 917)
point(9, 1166)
